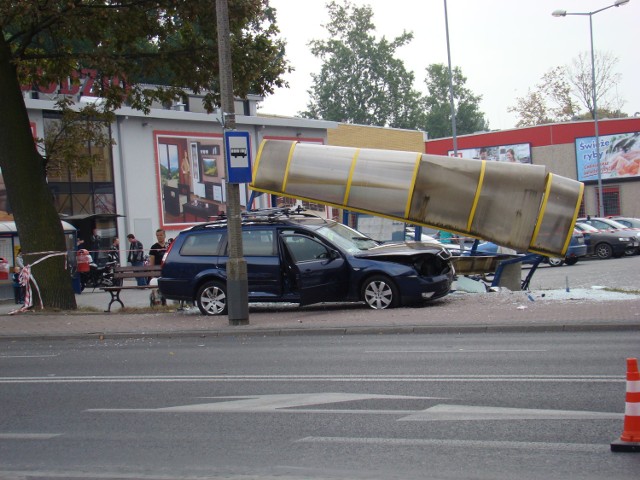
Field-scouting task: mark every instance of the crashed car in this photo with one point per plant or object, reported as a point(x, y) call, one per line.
point(296, 257)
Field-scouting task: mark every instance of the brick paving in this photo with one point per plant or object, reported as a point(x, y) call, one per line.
point(458, 312)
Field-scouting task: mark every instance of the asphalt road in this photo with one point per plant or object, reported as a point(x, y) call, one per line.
point(482, 406)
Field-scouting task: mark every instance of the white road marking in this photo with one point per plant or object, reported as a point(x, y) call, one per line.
point(470, 412)
point(316, 378)
point(295, 403)
point(28, 436)
point(289, 403)
point(28, 356)
point(563, 447)
point(456, 350)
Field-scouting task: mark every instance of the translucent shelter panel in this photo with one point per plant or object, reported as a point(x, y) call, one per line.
point(319, 172)
point(271, 165)
point(509, 202)
point(444, 192)
point(382, 181)
point(558, 214)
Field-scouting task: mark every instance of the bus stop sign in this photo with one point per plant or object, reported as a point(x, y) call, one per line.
point(238, 156)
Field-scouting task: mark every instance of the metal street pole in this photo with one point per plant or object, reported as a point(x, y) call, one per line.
point(453, 108)
point(595, 120)
point(564, 13)
point(237, 284)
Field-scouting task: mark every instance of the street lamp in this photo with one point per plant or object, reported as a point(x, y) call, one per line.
point(564, 13)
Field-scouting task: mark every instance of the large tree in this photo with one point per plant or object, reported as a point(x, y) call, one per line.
point(361, 80)
point(167, 42)
point(565, 93)
point(469, 118)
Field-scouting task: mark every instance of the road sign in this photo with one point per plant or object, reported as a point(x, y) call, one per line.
point(238, 156)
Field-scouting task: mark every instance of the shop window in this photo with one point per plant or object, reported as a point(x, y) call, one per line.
point(82, 204)
point(610, 199)
point(91, 192)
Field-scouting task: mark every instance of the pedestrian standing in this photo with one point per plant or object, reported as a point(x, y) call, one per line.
point(136, 256)
point(114, 251)
point(156, 253)
point(159, 248)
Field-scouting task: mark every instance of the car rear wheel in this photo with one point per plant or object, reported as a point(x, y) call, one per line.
point(555, 261)
point(212, 299)
point(604, 250)
point(379, 292)
point(571, 261)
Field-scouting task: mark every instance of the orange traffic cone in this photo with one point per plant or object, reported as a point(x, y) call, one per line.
point(630, 438)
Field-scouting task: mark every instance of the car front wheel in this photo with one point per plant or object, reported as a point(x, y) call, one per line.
point(555, 261)
point(379, 292)
point(212, 299)
point(604, 250)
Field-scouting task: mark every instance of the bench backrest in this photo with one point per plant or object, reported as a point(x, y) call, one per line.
point(138, 271)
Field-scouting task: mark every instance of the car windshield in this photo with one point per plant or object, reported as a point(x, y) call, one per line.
point(585, 227)
point(617, 225)
point(346, 238)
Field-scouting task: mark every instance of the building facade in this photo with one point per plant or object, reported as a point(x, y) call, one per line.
point(568, 149)
point(167, 169)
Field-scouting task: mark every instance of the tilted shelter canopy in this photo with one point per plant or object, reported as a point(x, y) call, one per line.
point(520, 206)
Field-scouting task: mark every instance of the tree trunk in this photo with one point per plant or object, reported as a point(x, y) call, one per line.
point(36, 219)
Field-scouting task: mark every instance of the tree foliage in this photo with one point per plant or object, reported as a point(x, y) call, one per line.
point(64, 146)
point(469, 118)
point(171, 43)
point(361, 81)
point(565, 93)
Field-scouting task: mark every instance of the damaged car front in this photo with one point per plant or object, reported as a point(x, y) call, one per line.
point(421, 272)
point(390, 274)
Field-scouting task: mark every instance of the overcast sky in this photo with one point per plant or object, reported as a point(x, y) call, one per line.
point(502, 46)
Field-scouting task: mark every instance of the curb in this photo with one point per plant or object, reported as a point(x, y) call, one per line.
point(368, 330)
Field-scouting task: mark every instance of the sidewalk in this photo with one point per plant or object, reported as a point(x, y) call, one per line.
point(506, 311)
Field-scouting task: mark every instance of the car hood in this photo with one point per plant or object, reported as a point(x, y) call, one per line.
point(405, 249)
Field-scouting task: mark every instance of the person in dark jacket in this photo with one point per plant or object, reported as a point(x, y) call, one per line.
point(136, 256)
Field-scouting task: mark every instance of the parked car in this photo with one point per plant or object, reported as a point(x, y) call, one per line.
point(630, 222)
point(455, 244)
point(610, 225)
point(301, 258)
point(577, 249)
point(605, 244)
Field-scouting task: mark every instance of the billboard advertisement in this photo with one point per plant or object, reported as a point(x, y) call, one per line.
point(518, 153)
point(619, 156)
point(191, 172)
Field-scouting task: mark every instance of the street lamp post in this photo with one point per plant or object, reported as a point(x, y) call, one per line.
point(564, 13)
point(451, 103)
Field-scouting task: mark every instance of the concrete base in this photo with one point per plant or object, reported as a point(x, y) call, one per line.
point(511, 277)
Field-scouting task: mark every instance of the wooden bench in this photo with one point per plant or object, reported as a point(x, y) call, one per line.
point(122, 273)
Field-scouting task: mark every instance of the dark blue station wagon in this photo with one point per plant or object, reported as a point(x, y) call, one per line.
point(301, 258)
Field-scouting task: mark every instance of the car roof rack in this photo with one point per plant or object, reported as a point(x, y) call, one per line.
point(266, 215)
point(277, 212)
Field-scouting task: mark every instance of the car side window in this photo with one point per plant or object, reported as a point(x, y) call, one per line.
point(258, 243)
point(305, 249)
point(203, 243)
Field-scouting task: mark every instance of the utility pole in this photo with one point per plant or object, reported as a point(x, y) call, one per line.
point(237, 284)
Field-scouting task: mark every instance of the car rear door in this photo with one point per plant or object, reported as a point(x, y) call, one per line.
point(263, 264)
